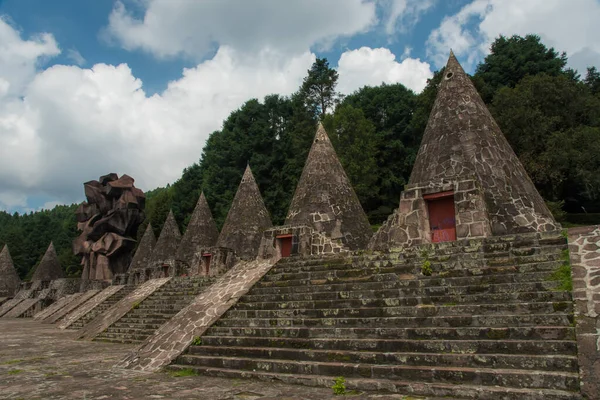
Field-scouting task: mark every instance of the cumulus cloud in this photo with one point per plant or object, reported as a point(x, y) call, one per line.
point(69, 124)
point(570, 26)
point(170, 28)
point(367, 66)
point(404, 14)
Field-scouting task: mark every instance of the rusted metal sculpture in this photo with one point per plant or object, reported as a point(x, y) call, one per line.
point(109, 221)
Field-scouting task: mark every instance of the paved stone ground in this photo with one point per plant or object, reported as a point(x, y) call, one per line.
point(40, 361)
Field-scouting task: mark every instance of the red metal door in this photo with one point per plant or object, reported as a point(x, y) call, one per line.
point(441, 217)
point(206, 258)
point(285, 244)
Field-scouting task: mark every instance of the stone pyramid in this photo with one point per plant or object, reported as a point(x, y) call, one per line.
point(143, 254)
point(247, 219)
point(168, 242)
point(462, 140)
point(325, 200)
point(201, 232)
point(9, 279)
point(49, 268)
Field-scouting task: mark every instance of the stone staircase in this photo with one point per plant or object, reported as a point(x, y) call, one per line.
point(105, 305)
point(486, 322)
point(145, 318)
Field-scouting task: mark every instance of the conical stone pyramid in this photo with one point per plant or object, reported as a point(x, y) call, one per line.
point(462, 140)
point(143, 254)
point(49, 268)
point(325, 200)
point(9, 279)
point(168, 242)
point(246, 221)
point(201, 232)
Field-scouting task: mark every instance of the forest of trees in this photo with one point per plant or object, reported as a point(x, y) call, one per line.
point(550, 115)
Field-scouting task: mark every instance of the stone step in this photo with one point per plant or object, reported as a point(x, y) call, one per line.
point(408, 283)
point(541, 263)
point(472, 333)
point(137, 330)
point(399, 295)
point(402, 300)
point(437, 389)
point(412, 322)
point(459, 346)
point(419, 311)
point(538, 379)
point(139, 320)
point(121, 337)
point(502, 361)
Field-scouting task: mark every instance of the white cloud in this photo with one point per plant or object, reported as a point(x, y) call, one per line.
point(570, 26)
point(367, 66)
point(404, 14)
point(170, 28)
point(69, 124)
point(76, 57)
point(19, 58)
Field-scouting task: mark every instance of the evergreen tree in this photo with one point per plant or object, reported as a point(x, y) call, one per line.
point(318, 88)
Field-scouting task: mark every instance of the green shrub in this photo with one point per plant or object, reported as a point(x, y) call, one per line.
point(426, 268)
point(197, 341)
point(339, 386)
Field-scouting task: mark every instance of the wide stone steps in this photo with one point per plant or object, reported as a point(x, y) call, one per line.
point(425, 310)
point(549, 362)
point(539, 264)
point(488, 323)
point(459, 346)
point(560, 380)
point(147, 316)
point(399, 297)
point(444, 322)
point(101, 308)
point(500, 294)
point(409, 287)
point(433, 389)
point(504, 333)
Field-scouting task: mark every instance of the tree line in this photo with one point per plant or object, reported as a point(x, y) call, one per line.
point(548, 112)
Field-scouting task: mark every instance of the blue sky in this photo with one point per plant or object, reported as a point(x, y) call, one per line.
point(136, 86)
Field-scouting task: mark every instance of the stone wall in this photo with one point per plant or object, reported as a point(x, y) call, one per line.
point(306, 241)
point(409, 224)
point(584, 249)
point(175, 336)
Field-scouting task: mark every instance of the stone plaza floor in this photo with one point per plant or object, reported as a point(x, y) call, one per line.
point(40, 361)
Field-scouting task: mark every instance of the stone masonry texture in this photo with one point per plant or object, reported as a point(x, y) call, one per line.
point(463, 141)
point(9, 280)
point(49, 268)
point(246, 220)
point(113, 314)
point(71, 306)
point(175, 336)
point(168, 242)
point(89, 305)
point(143, 254)
point(584, 252)
point(201, 233)
point(325, 199)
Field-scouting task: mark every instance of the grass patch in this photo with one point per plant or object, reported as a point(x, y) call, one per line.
point(15, 371)
point(197, 341)
point(426, 268)
point(10, 362)
point(183, 372)
point(562, 275)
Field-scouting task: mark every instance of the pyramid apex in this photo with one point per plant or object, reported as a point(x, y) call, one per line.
point(341, 215)
point(201, 232)
point(143, 253)
point(246, 220)
point(49, 268)
point(168, 241)
point(9, 279)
